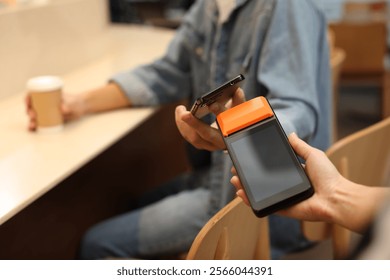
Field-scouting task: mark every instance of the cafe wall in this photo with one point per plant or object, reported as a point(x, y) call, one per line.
point(50, 37)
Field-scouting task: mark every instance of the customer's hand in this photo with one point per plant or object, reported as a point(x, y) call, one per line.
point(324, 177)
point(72, 107)
point(200, 134)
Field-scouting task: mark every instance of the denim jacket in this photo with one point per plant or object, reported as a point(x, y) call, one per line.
point(279, 45)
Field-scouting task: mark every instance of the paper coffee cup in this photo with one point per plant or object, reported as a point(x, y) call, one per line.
point(45, 92)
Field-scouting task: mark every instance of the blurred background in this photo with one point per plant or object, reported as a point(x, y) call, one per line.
point(359, 27)
point(75, 37)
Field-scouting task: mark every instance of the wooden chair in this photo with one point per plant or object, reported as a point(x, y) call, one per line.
point(362, 157)
point(337, 59)
point(233, 233)
point(365, 46)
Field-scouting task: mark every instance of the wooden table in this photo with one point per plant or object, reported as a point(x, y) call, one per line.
point(54, 186)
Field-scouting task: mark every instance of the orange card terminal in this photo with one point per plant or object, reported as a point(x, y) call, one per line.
point(268, 168)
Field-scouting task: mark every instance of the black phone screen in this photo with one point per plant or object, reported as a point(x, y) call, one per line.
point(266, 164)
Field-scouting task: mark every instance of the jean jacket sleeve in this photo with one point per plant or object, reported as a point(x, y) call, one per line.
point(293, 57)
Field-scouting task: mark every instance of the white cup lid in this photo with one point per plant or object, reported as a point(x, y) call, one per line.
point(44, 83)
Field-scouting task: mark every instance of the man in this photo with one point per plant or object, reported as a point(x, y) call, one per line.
point(280, 46)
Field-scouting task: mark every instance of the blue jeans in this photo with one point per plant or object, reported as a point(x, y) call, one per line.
point(167, 227)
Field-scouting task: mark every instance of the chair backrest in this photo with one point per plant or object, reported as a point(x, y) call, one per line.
point(337, 59)
point(233, 233)
point(362, 157)
point(364, 44)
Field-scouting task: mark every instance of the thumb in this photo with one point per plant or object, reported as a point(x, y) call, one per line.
point(238, 97)
point(65, 109)
point(217, 108)
point(300, 147)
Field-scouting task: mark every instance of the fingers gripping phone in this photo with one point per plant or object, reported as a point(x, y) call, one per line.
point(266, 164)
point(222, 95)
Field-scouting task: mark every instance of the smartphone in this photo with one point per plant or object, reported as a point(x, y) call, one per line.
point(222, 95)
point(268, 168)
